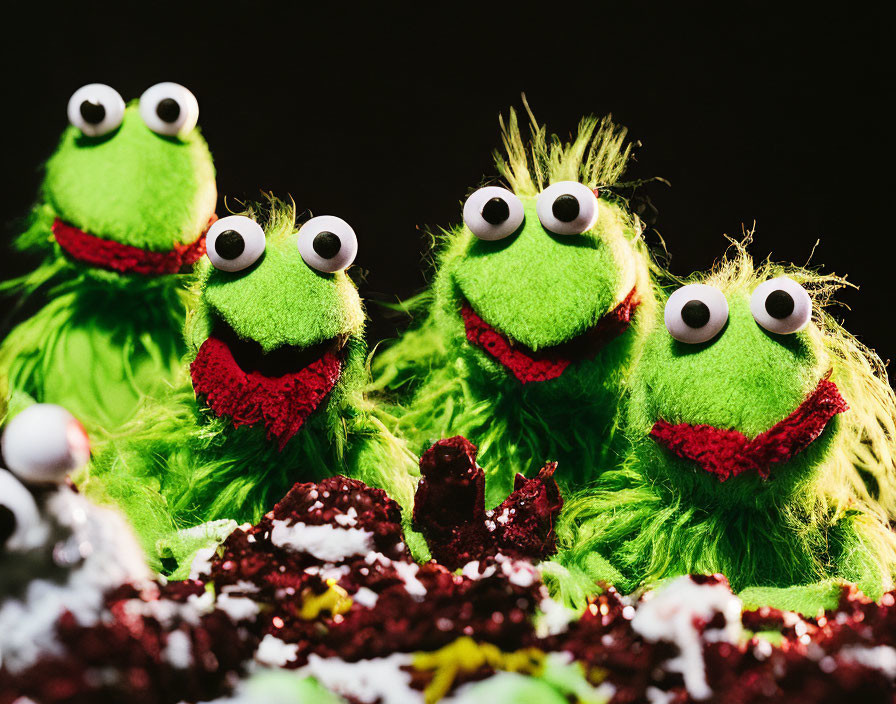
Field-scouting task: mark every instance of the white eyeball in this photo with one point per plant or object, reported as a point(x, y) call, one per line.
point(95, 109)
point(328, 243)
point(695, 313)
point(781, 305)
point(21, 527)
point(567, 208)
point(234, 243)
point(169, 109)
point(44, 443)
point(493, 213)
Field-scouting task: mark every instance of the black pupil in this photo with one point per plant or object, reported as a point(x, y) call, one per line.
point(695, 314)
point(7, 524)
point(168, 110)
point(779, 304)
point(230, 244)
point(326, 244)
point(495, 211)
point(566, 208)
point(92, 112)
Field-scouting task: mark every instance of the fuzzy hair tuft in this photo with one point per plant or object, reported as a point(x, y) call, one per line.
point(596, 157)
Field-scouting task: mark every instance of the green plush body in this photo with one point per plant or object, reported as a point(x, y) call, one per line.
point(104, 340)
point(655, 515)
point(191, 466)
point(539, 289)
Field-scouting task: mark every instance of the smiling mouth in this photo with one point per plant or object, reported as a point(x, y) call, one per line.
point(124, 258)
point(529, 365)
point(727, 453)
point(278, 389)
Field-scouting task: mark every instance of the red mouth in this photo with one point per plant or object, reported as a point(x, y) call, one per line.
point(548, 363)
point(123, 258)
point(280, 389)
point(728, 453)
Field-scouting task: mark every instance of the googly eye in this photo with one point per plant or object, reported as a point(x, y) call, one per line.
point(44, 443)
point(567, 208)
point(234, 243)
point(328, 243)
point(695, 313)
point(781, 305)
point(21, 527)
point(169, 109)
point(95, 109)
point(493, 213)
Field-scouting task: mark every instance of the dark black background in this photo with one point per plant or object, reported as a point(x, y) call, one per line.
point(758, 112)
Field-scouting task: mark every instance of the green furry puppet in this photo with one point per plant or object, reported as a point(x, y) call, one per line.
point(527, 329)
point(126, 200)
point(760, 445)
point(272, 394)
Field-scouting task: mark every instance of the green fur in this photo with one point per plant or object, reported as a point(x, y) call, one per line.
point(198, 466)
point(540, 289)
point(4, 399)
point(97, 354)
point(654, 516)
point(104, 340)
point(806, 600)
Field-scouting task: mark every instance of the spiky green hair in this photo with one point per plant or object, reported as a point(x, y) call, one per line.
point(596, 157)
point(832, 522)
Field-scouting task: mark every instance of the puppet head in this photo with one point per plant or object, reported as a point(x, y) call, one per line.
point(277, 334)
point(761, 442)
point(749, 393)
point(131, 187)
point(542, 276)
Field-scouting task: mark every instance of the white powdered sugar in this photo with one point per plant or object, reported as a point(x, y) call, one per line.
point(368, 681)
point(407, 571)
point(179, 650)
point(328, 571)
point(241, 586)
point(471, 571)
point(168, 612)
point(658, 696)
point(554, 619)
point(349, 518)
point(878, 657)
point(202, 562)
point(668, 614)
point(274, 652)
point(238, 608)
point(366, 597)
point(103, 554)
point(519, 572)
point(325, 542)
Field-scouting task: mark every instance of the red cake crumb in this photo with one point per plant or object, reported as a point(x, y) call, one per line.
point(417, 607)
point(129, 656)
point(326, 574)
point(449, 509)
